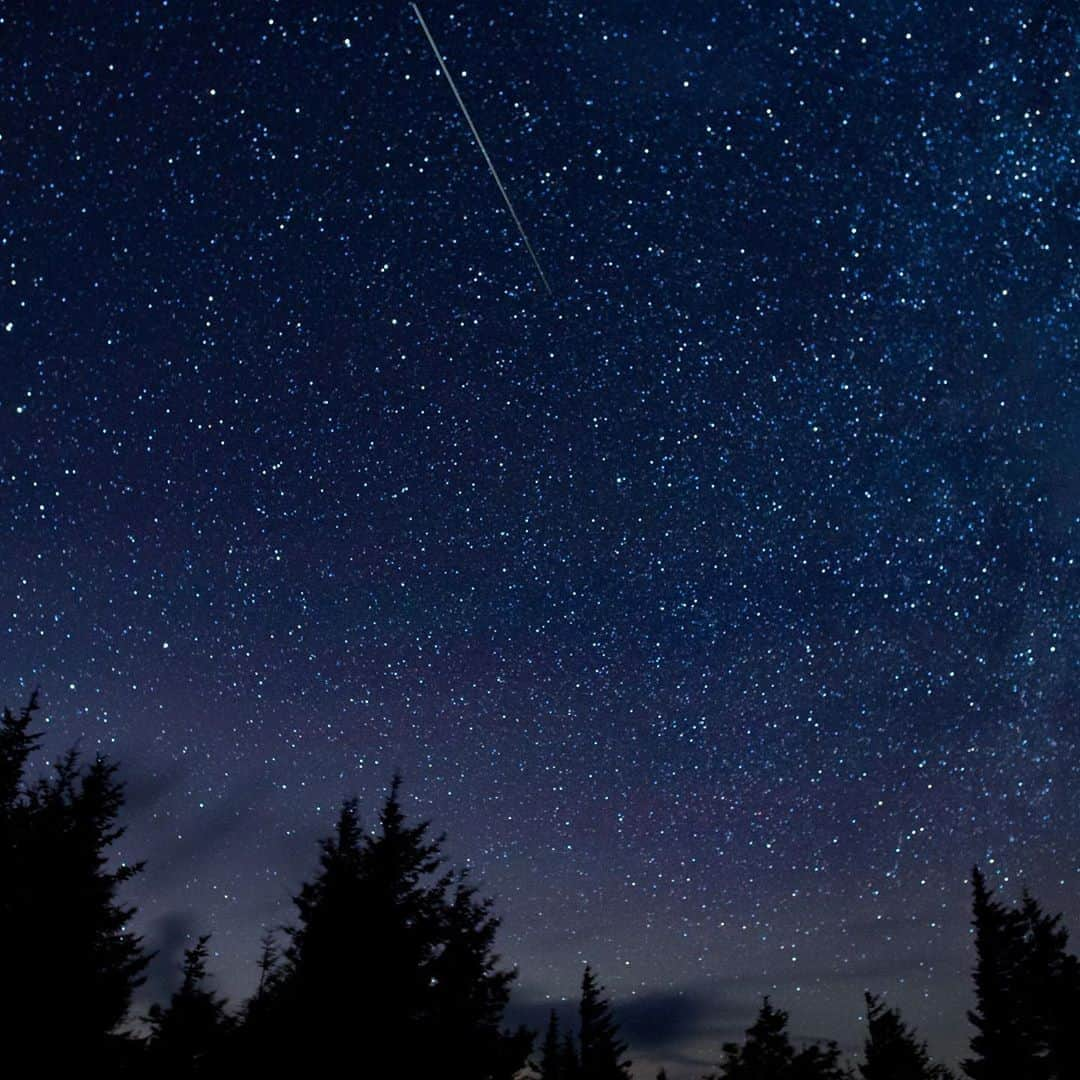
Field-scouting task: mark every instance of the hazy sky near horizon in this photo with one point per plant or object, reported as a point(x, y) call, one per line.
point(721, 606)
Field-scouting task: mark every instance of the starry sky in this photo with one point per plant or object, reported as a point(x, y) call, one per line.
point(721, 606)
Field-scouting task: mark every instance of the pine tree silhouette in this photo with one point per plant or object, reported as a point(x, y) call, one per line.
point(819, 1061)
point(569, 1063)
point(255, 1041)
point(768, 1054)
point(601, 1050)
point(1047, 980)
point(390, 963)
point(892, 1051)
point(70, 957)
point(1004, 1009)
point(17, 743)
point(191, 1029)
point(468, 993)
point(550, 1064)
point(269, 967)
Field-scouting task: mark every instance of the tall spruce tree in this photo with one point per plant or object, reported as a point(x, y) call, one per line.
point(390, 963)
point(549, 1067)
point(326, 954)
point(892, 1051)
point(72, 962)
point(1047, 981)
point(1002, 1047)
point(468, 993)
point(188, 1032)
point(600, 1048)
point(569, 1062)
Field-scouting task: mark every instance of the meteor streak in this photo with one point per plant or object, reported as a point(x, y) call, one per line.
point(483, 149)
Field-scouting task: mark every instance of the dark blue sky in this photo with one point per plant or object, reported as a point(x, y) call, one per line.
point(721, 607)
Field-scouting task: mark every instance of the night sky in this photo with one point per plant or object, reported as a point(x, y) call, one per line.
point(721, 607)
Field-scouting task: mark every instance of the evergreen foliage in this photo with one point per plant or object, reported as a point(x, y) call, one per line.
point(1027, 992)
point(391, 956)
point(391, 965)
point(768, 1054)
point(188, 1032)
point(550, 1064)
point(600, 1054)
point(892, 1051)
point(64, 935)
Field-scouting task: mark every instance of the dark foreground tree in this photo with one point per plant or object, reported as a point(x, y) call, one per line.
point(1027, 993)
point(189, 1033)
point(390, 963)
point(1049, 981)
point(71, 961)
point(600, 1048)
point(768, 1054)
point(569, 1064)
point(468, 994)
point(1000, 1018)
point(892, 1050)
point(549, 1067)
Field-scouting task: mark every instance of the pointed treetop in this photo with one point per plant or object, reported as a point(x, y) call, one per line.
point(17, 743)
point(195, 965)
point(601, 1048)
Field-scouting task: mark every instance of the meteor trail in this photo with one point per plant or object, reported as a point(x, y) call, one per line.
point(483, 149)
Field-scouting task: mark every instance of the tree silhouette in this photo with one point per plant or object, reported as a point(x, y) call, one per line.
point(549, 1066)
point(601, 1051)
point(1027, 992)
point(390, 963)
point(391, 966)
point(1048, 981)
point(187, 1032)
point(892, 1051)
point(71, 959)
point(569, 1062)
point(1000, 1015)
point(768, 1054)
point(468, 994)
point(269, 965)
point(17, 743)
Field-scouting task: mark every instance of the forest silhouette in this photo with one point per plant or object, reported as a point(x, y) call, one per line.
point(389, 969)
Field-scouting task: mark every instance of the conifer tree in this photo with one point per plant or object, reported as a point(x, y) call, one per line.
point(256, 1038)
point(321, 1002)
point(186, 1034)
point(269, 967)
point(391, 963)
point(550, 1064)
point(1047, 981)
point(768, 1054)
point(468, 993)
point(1001, 1048)
point(601, 1050)
point(569, 1063)
point(17, 743)
point(819, 1061)
point(892, 1050)
point(70, 956)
